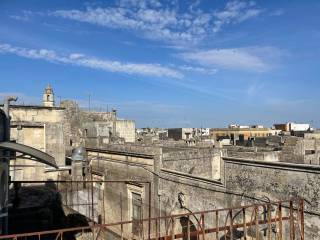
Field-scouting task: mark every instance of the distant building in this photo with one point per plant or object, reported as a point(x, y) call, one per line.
point(291, 126)
point(237, 132)
point(180, 133)
point(202, 132)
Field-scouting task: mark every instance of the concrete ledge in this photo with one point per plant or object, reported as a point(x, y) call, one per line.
point(136, 164)
point(132, 154)
point(275, 165)
point(35, 107)
point(193, 177)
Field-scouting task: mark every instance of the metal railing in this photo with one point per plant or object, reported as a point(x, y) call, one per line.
point(275, 220)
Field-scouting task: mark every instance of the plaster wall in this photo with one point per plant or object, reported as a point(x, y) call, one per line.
point(126, 129)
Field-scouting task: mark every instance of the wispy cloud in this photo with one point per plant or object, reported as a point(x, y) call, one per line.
point(196, 69)
point(25, 15)
point(79, 59)
point(159, 21)
point(235, 12)
point(256, 59)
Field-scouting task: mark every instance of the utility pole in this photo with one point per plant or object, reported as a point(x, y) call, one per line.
point(89, 101)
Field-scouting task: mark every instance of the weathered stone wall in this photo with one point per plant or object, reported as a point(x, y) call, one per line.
point(198, 162)
point(34, 137)
point(54, 142)
point(271, 156)
point(93, 129)
point(41, 128)
point(126, 129)
point(241, 182)
point(36, 114)
point(278, 181)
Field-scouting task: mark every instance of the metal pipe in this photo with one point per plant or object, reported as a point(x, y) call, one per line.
point(302, 218)
point(149, 222)
point(280, 220)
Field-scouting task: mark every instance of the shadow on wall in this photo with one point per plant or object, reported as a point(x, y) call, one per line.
point(39, 208)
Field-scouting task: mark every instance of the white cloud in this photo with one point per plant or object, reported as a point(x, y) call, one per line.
point(25, 16)
point(159, 21)
point(78, 59)
point(201, 70)
point(235, 12)
point(256, 59)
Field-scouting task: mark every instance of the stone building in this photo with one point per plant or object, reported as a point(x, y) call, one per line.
point(303, 150)
point(40, 127)
point(181, 133)
point(57, 130)
point(206, 179)
point(240, 133)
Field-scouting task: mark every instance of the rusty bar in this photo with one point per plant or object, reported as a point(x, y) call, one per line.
point(66, 189)
point(217, 225)
point(121, 206)
point(203, 226)
point(92, 207)
point(88, 199)
point(82, 181)
point(126, 222)
point(173, 227)
point(77, 189)
point(244, 221)
point(280, 220)
point(188, 228)
point(103, 207)
point(302, 218)
point(156, 223)
point(198, 228)
point(256, 210)
point(269, 221)
point(149, 221)
point(277, 219)
point(141, 226)
point(121, 231)
point(82, 234)
point(71, 191)
point(225, 226)
point(58, 235)
point(292, 230)
point(231, 223)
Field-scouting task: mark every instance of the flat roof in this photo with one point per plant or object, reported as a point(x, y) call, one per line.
point(34, 107)
point(240, 129)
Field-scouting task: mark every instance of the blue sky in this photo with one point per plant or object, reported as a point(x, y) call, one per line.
point(167, 63)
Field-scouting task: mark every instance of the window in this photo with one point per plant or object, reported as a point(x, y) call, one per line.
point(135, 208)
point(48, 97)
point(136, 213)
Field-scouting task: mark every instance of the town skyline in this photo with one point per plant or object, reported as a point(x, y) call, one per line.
point(167, 64)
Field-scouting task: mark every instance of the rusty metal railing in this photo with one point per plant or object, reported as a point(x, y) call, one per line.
point(275, 220)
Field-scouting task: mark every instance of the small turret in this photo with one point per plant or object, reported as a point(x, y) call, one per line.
point(48, 97)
